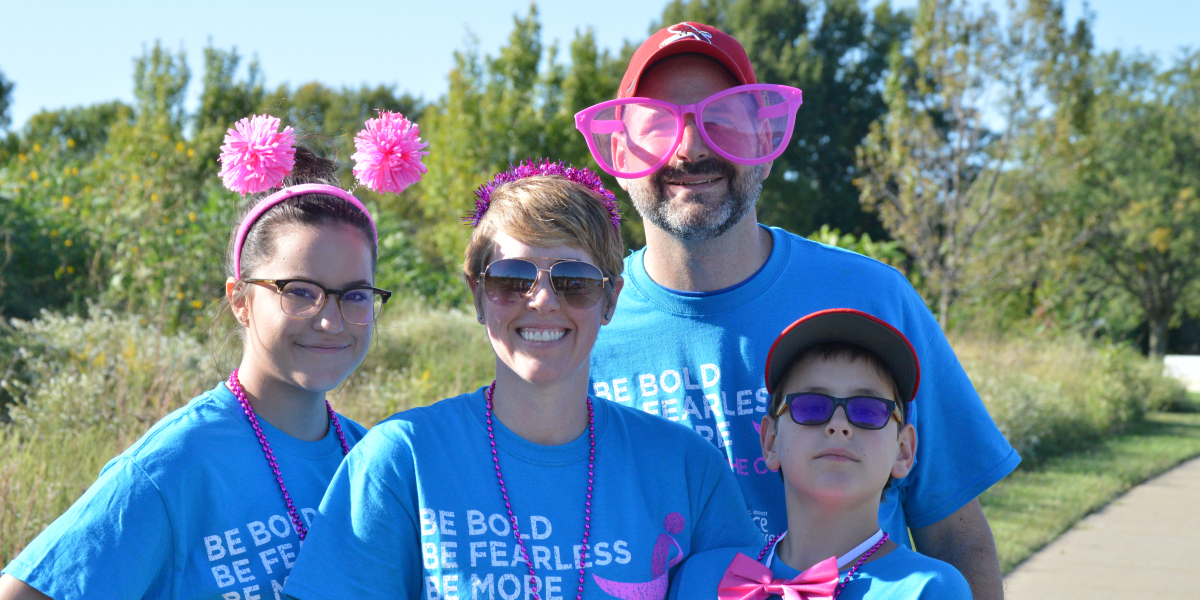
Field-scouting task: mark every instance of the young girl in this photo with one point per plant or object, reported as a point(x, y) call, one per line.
point(215, 500)
point(526, 487)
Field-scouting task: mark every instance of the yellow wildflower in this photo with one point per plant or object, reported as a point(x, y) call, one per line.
point(179, 295)
point(70, 142)
point(197, 304)
point(134, 177)
point(154, 155)
point(192, 216)
point(45, 183)
point(67, 243)
point(74, 170)
point(178, 231)
point(37, 148)
point(87, 189)
point(21, 157)
point(66, 170)
point(53, 233)
point(66, 202)
point(154, 197)
point(191, 152)
point(179, 146)
point(33, 175)
point(70, 269)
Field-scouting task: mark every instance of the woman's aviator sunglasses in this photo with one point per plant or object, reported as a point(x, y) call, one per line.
point(866, 412)
point(746, 124)
point(508, 280)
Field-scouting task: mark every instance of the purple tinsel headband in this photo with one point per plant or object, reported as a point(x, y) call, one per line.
point(529, 168)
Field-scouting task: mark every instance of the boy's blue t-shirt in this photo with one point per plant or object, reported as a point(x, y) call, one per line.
point(191, 510)
point(900, 575)
point(416, 510)
point(700, 361)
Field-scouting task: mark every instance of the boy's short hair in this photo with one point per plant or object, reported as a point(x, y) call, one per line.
point(833, 350)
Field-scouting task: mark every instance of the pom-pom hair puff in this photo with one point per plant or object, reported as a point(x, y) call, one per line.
point(530, 168)
point(256, 156)
point(389, 151)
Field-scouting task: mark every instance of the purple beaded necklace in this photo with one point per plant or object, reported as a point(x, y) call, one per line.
point(236, 387)
point(849, 574)
point(587, 511)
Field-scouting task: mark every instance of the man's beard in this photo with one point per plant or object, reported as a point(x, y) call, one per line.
point(683, 220)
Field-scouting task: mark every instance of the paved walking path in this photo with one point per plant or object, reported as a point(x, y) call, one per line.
point(1145, 544)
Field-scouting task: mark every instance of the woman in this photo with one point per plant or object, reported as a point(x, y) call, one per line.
point(215, 500)
point(527, 487)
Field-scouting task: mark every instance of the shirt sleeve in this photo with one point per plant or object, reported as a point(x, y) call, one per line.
point(723, 520)
point(960, 451)
point(114, 542)
point(365, 541)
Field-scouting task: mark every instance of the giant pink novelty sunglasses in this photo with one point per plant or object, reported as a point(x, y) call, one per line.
point(746, 124)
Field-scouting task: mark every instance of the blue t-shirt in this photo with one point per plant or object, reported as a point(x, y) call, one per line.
point(700, 361)
point(900, 575)
point(416, 510)
point(191, 510)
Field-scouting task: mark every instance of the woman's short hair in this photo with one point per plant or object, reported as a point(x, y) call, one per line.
point(547, 210)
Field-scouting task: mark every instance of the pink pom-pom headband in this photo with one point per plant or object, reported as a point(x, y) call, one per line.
point(256, 157)
point(529, 168)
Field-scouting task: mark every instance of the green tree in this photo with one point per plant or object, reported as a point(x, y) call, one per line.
point(836, 51)
point(1134, 209)
point(6, 90)
point(499, 110)
point(931, 167)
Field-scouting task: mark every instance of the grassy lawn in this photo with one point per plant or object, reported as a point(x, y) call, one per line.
point(1030, 508)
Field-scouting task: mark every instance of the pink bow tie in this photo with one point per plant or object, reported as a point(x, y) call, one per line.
point(747, 579)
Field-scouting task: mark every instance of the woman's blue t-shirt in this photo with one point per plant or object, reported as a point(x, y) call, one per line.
point(191, 510)
point(416, 509)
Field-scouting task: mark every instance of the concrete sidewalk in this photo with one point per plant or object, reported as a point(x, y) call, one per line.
point(1145, 544)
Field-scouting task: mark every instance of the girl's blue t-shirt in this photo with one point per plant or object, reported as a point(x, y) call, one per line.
point(900, 575)
point(416, 510)
point(699, 361)
point(191, 510)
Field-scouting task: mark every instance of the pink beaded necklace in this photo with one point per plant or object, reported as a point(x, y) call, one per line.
point(236, 387)
point(849, 574)
point(587, 511)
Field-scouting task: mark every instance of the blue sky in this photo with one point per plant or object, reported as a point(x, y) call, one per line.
point(71, 53)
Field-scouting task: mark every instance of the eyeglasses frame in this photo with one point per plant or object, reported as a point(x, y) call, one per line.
point(557, 261)
point(279, 284)
point(893, 409)
point(792, 96)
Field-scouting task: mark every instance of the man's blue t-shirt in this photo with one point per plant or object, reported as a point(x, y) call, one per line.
point(416, 510)
point(699, 360)
point(900, 575)
point(191, 510)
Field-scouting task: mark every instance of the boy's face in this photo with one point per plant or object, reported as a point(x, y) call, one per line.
point(837, 463)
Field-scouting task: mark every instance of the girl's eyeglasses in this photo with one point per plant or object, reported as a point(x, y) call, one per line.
point(867, 412)
point(575, 282)
point(746, 124)
point(303, 299)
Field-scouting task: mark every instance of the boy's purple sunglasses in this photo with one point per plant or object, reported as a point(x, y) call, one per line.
point(746, 124)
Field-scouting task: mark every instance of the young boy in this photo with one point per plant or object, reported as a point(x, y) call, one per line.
point(835, 465)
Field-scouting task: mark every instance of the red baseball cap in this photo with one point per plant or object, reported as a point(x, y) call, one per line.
point(683, 38)
point(850, 326)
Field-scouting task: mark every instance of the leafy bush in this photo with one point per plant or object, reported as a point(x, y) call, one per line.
point(1049, 395)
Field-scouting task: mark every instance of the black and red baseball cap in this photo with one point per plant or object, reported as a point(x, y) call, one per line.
point(687, 38)
point(853, 327)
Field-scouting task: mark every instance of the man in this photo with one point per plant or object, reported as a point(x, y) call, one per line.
point(712, 288)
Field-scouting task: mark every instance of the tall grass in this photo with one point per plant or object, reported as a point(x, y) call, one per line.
point(1050, 395)
point(82, 389)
